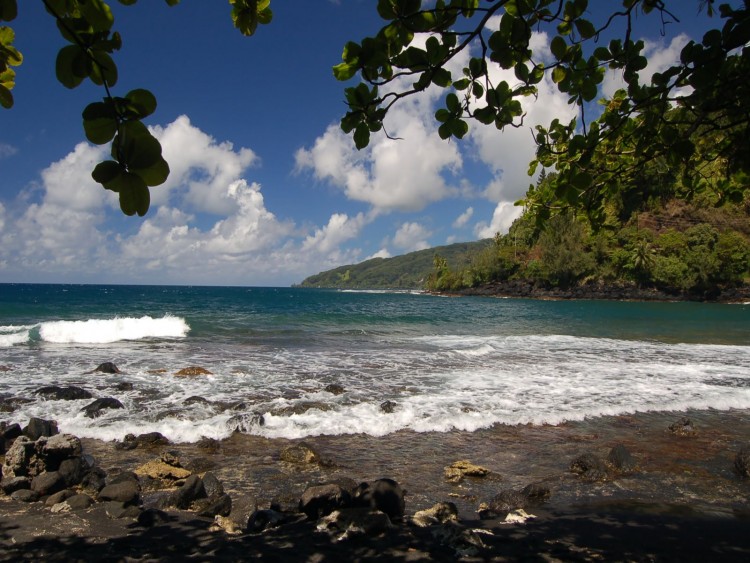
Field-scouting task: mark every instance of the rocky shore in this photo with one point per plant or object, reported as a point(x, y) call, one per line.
point(657, 487)
point(615, 292)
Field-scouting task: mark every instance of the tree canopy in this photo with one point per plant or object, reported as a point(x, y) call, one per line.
point(690, 119)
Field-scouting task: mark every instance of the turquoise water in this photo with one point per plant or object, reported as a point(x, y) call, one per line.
point(446, 363)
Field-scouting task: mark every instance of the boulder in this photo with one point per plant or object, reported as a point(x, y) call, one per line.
point(152, 517)
point(439, 513)
point(25, 495)
point(56, 449)
point(79, 502)
point(589, 467)
point(346, 523)
point(742, 462)
point(385, 495)
point(188, 493)
point(126, 492)
point(335, 388)
point(167, 471)
point(216, 505)
point(212, 485)
point(456, 471)
point(268, 519)
point(37, 428)
point(536, 493)
point(73, 470)
point(58, 393)
point(48, 483)
point(94, 480)
point(97, 408)
point(503, 503)
point(388, 406)
point(58, 497)
point(106, 367)
point(117, 510)
point(620, 458)
point(196, 400)
point(300, 454)
point(192, 371)
point(682, 427)
point(319, 500)
point(10, 485)
point(239, 517)
point(10, 432)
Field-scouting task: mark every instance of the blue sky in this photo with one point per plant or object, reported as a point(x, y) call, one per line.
point(265, 189)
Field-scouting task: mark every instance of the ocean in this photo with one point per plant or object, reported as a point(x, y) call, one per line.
point(403, 361)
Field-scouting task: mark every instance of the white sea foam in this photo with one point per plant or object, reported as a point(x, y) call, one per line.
point(105, 331)
point(12, 334)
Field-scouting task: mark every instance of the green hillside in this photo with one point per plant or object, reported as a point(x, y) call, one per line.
point(409, 271)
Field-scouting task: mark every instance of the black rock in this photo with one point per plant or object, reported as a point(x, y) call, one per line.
point(388, 406)
point(507, 501)
point(10, 485)
point(48, 483)
point(190, 491)
point(212, 485)
point(107, 367)
point(152, 517)
point(195, 399)
point(124, 386)
point(58, 393)
point(79, 502)
point(590, 467)
point(58, 497)
point(127, 492)
point(385, 495)
point(25, 495)
point(95, 409)
point(267, 519)
point(37, 428)
point(682, 427)
point(11, 432)
point(321, 500)
point(621, 459)
point(335, 388)
point(220, 505)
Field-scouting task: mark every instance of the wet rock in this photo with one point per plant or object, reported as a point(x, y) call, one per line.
point(106, 367)
point(58, 393)
point(502, 503)
point(301, 453)
point(385, 495)
point(97, 408)
point(335, 388)
point(210, 445)
point(589, 467)
point(216, 505)
point(94, 480)
point(48, 483)
point(742, 462)
point(301, 408)
point(245, 422)
point(25, 495)
point(388, 406)
point(439, 513)
point(126, 492)
point(129, 442)
point(73, 470)
point(11, 432)
point(346, 523)
point(196, 400)
point(167, 470)
point(267, 519)
point(239, 518)
point(124, 386)
point(192, 371)
point(621, 459)
point(319, 500)
point(456, 472)
point(536, 493)
point(683, 427)
point(38, 428)
point(212, 485)
point(151, 439)
point(188, 493)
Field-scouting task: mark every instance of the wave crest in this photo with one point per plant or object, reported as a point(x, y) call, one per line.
point(106, 331)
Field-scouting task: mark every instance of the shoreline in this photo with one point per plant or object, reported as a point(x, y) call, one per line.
point(682, 499)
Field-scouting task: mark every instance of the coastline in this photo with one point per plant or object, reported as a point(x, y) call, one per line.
point(681, 500)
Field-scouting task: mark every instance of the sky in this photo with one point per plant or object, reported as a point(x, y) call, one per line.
point(264, 189)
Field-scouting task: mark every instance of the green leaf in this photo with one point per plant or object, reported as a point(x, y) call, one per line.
point(559, 47)
point(106, 171)
point(154, 175)
point(6, 97)
point(442, 77)
point(70, 66)
point(99, 122)
point(585, 28)
point(361, 136)
point(452, 103)
point(345, 71)
point(142, 102)
point(104, 69)
point(558, 74)
point(97, 14)
point(134, 195)
point(8, 10)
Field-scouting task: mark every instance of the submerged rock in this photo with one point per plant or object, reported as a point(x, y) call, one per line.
point(106, 367)
point(97, 408)
point(682, 427)
point(388, 406)
point(589, 467)
point(335, 388)
point(58, 393)
point(301, 454)
point(456, 471)
point(191, 371)
point(621, 459)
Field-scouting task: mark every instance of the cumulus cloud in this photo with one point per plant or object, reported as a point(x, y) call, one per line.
point(462, 219)
point(411, 236)
point(208, 224)
point(503, 217)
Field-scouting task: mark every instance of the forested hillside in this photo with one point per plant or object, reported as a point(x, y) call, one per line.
point(409, 271)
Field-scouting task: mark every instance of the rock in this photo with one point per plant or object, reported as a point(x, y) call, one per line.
point(58, 497)
point(456, 471)
point(25, 495)
point(56, 449)
point(95, 409)
point(126, 492)
point(239, 518)
point(262, 520)
point(621, 459)
point(79, 502)
point(10, 485)
point(191, 371)
point(18, 459)
point(518, 516)
point(37, 428)
point(196, 400)
point(385, 495)
point(210, 445)
point(58, 393)
point(188, 493)
point(217, 505)
point(536, 493)
point(346, 523)
point(123, 477)
point(152, 517)
point(335, 388)
point(683, 427)
point(129, 442)
point(320, 500)
point(301, 454)
point(245, 422)
point(464, 542)
point(151, 439)
point(94, 480)
point(73, 470)
point(106, 367)
point(502, 503)
point(742, 462)
point(301, 408)
point(117, 510)
point(158, 469)
point(212, 486)
point(48, 483)
point(124, 386)
point(11, 432)
point(589, 467)
point(440, 513)
point(388, 406)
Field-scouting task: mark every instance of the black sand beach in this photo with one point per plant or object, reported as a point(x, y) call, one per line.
point(680, 497)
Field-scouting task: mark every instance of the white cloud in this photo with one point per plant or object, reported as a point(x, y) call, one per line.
point(382, 253)
point(503, 217)
point(462, 219)
point(411, 236)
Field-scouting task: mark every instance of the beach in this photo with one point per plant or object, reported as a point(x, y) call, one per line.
point(682, 500)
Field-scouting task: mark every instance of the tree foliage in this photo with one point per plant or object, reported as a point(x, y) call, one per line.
point(136, 162)
point(672, 119)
